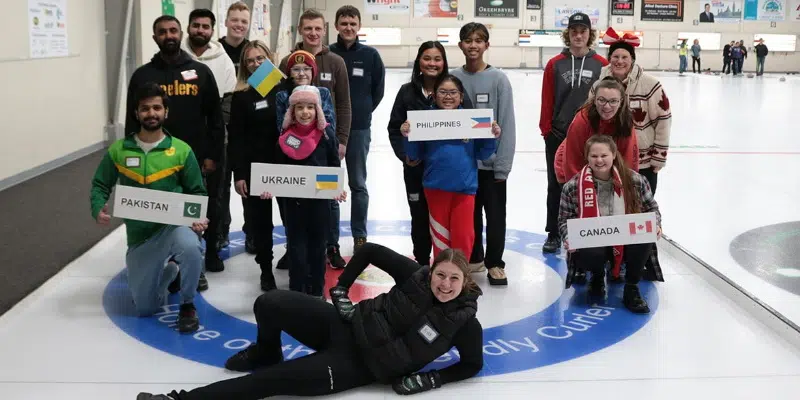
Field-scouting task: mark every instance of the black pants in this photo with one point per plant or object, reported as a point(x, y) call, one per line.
point(306, 222)
point(491, 196)
point(726, 65)
point(420, 218)
point(696, 60)
point(634, 255)
point(260, 214)
point(213, 182)
point(651, 177)
point(335, 366)
point(551, 143)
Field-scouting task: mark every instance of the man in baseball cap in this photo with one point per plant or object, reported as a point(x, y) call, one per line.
point(579, 19)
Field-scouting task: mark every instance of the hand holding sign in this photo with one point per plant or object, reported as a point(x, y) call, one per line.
point(104, 218)
point(200, 226)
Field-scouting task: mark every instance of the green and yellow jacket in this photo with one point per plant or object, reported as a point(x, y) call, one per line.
point(171, 167)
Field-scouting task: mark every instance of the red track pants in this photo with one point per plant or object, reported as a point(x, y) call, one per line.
point(451, 220)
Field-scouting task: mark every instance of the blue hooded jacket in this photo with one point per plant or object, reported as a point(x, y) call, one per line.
point(451, 165)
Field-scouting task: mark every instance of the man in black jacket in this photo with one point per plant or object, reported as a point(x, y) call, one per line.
point(365, 73)
point(195, 115)
point(761, 55)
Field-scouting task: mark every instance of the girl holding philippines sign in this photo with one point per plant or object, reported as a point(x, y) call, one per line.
point(450, 180)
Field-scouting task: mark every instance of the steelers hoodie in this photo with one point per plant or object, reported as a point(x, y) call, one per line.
point(195, 112)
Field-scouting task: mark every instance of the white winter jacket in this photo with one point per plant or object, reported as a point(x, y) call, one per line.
point(218, 61)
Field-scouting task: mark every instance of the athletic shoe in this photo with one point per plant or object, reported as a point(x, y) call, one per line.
point(187, 319)
point(335, 258)
point(552, 243)
point(358, 242)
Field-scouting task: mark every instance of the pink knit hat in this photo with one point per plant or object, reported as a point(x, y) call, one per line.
point(305, 94)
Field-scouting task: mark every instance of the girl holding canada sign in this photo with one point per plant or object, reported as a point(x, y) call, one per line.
point(618, 190)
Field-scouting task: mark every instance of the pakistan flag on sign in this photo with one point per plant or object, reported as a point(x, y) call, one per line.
point(191, 210)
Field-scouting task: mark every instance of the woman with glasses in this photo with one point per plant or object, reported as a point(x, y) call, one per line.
point(450, 180)
point(252, 137)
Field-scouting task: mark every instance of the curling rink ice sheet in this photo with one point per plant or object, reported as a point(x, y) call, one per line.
point(729, 172)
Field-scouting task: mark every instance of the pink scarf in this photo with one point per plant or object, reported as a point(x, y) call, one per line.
point(589, 207)
point(299, 141)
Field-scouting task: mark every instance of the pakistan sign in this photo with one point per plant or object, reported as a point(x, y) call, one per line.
point(158, 206)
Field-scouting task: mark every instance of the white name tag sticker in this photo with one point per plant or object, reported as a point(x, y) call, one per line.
point(297, 181)
point(587, 73)
point(636, 104)
point(260, 105)
point(450, 124)
point(358, 71)
point(158, 206)
point(482, 98)
point(133, 162)
point(189, 75)
point(616, 230)
point(428, 333)
point(325, 76)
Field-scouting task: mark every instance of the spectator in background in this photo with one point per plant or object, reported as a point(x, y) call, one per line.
point(737, 58)
point(366, 74)
point(683, 51)
point(696, 57)
point(568, 78)
point(761, 55)
point(332, 75)
point(195, 114)
point(726, 58)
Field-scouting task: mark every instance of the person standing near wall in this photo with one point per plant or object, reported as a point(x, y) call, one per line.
point(761, 55)
point(488, 87)
point(696, 57)
point(683, 51)
point(332, 74)
point(726, 58)
point(366, 74)
point(200, 47)
point(568, 77)
point(237, 21)
point(195, 114)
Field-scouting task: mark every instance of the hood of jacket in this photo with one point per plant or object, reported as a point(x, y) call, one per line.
point(214, 50)
point(325, 49)
point(183, 58)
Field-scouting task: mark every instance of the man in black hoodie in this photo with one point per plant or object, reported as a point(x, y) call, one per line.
point(195, 115)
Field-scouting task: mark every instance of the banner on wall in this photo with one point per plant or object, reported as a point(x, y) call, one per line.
point(764, 10)
point(47, 22)
point(497, 8)
point(723, 11)
point(622, 7)
point(534, 4)
point(387, 6)
point(435, 8)
point(662, 10)
point(563, 13)
point(794, 12)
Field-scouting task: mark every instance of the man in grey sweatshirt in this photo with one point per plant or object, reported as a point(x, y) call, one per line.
point(488, 87)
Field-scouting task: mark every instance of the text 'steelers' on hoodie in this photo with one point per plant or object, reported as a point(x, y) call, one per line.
point(195, 113)
point(566, 85)
point(218, 61)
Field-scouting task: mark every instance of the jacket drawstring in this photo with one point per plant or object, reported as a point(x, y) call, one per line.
point(580, 74)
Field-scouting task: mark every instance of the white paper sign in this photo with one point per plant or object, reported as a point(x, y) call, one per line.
point(47, 32)
point(450, 124)
point(616, 230)
point(159, 206)
point(298, 181)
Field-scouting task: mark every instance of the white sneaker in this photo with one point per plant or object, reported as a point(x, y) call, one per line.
point(477, 267)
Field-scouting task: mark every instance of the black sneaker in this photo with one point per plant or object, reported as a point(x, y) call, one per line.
point(552, 243)
point(597, 285)
point(335, 258)
point(187, 319)
point(250, 245)
point(633, 300)
point(248, 360)
point(268, 281)
point(202, 284)
point(214, 263)
point(223, 241)
point(358, 242)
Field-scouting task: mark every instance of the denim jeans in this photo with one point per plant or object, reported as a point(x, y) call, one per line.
point(356, 161)
point(148, 278)
point(684, 64)
point(760, 65)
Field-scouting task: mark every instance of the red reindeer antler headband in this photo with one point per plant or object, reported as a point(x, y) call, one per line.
point(612, 37)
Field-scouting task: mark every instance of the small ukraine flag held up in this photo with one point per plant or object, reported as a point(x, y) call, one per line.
point(265, 77)
point(327, 182)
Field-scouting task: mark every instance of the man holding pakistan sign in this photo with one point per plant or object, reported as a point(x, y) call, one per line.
point(158, 254)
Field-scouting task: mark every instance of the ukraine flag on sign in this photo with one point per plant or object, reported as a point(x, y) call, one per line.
point(327, 182)
point(265, 77)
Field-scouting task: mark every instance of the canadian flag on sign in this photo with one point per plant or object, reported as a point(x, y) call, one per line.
point(647, 227)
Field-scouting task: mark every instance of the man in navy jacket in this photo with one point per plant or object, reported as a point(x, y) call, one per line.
point(365, 72)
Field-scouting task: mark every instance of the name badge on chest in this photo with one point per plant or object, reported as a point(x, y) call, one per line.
point(260, 105)
point(325, 76)
point(636, 104)
point(482, 98)
point(133, 162)
point(428, 333)
point(358, 71)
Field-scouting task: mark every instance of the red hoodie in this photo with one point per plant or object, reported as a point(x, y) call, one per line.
point(581, 130)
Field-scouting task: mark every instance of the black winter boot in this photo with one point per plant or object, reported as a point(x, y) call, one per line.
point(633, 300)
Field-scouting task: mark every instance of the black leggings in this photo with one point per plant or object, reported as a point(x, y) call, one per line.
point(634, 255)
point(420, 218)
point(335, 366)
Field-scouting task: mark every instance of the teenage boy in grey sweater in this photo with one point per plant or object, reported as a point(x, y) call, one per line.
point(488, 87)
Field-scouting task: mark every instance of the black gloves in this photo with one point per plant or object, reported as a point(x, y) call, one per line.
point(343, 305)
point(416, 383)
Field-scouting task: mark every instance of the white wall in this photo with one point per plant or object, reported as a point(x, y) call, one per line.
point(51, 107)
point(146, 12)
point(657, 51)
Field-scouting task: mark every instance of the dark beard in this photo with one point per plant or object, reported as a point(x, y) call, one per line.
point(169, 47)
point(152, 127)
point(199, 40)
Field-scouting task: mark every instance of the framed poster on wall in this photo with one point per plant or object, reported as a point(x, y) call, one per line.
point(497, 8)
point(663, 10)
point(622, 7)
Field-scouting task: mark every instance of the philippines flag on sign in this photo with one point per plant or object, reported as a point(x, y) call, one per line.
point(639, 228)
point(483, 122)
